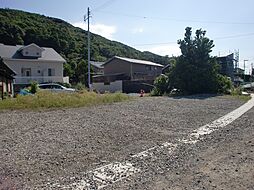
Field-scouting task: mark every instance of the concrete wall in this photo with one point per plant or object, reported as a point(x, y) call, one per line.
point(116, 86)
point(136, 86)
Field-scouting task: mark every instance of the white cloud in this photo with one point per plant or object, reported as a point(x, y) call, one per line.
point(137, 30)
point(100, 29)
point(164, 50)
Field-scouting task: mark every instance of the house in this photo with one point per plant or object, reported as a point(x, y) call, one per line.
point(6, 80)
point(133, 68)
point(227, 65)
point(239, 71)
point(33, 63)
point(97, 67)
point(127, 75)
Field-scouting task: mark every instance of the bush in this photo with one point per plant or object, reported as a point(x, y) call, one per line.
point(161, 86)
point(34, 87)
point(155, 92)
point(80, 86)
point(236, 91)
point(224, 84)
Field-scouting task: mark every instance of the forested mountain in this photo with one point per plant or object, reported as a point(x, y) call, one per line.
point(19, 27)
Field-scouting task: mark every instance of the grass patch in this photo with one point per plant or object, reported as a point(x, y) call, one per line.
point(244, 98)
point(45, 99)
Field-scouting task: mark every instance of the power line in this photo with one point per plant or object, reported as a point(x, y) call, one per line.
point(107, 3)
point(176, 20)
point(150, 44)
point(218, 38)
point(234, 36)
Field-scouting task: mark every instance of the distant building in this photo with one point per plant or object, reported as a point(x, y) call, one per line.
point(133, 68)
point(98, 68)
point(239, 71)
point(227, 65)
point(127, 75)
point(33, 63)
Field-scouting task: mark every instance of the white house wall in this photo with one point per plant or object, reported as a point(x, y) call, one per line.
point(32, 51)
point(35, 65)
point(116, 86)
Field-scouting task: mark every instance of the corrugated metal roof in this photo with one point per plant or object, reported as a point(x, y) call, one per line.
point(12, 52)
point(137, 61)
point(97, 64)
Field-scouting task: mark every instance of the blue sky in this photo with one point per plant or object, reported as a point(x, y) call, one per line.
point(157, 25)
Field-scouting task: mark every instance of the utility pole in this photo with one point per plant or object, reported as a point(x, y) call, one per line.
point(87, 18)
point(244, 69)
point(252, 69)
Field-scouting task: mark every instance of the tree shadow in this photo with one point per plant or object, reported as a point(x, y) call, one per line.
point(195, 96)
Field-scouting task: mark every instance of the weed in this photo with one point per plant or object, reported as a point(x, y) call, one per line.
point(45, 99)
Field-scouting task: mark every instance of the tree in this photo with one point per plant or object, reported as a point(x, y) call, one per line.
point(195, 70)
point(81, 72)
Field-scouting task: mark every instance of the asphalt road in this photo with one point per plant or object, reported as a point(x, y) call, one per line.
point(57, 149)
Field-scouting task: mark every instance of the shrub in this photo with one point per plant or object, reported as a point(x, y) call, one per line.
point(80, 86)
point(224, 84)
point(161, 86)
point(34, 87)
point(155, 92)
point(236, 91)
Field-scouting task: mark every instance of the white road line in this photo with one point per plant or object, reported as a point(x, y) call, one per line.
point(113, 172)
point(198, 134)
point(152, 151)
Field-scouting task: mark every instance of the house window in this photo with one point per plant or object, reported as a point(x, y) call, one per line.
point(26, 72)
point(51, 72)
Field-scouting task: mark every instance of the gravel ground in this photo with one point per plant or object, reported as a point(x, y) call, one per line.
point(53, 146)
point(223, 160)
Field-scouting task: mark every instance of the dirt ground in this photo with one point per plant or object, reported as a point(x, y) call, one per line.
point(43, 147)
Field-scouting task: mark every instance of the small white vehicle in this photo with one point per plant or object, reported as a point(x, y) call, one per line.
point(53, 87)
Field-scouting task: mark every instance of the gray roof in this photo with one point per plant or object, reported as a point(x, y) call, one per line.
point(13, 52)
point(5, 69)
point(137, 61)
point(98, 65)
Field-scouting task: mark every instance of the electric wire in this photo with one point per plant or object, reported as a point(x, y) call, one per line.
point(176, 20)
point(217, 38)
point(107, 3)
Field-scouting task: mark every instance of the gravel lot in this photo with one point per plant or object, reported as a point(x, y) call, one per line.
point(42, 147)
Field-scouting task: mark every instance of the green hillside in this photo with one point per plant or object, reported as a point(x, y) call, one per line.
point(19, 27)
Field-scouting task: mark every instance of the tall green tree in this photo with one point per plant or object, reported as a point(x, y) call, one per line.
point(196, 71)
